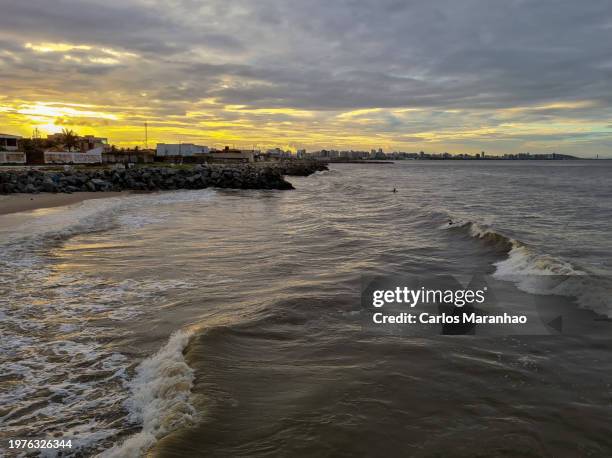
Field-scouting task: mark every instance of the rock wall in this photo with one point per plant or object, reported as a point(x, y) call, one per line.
point(143, 179)
point(300, 168)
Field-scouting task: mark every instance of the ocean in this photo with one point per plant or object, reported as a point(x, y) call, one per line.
point(224, 323)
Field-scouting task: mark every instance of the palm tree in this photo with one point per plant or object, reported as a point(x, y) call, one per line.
point(70, 138)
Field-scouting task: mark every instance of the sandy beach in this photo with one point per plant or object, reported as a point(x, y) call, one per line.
point(15, 203)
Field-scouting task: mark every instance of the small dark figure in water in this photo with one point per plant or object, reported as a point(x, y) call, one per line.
point(450, 222)
point(394, 190)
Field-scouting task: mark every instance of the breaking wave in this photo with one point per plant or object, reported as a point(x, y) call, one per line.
point(159, 399)
point(538, 273)
point(54, 331)
point(326, 172)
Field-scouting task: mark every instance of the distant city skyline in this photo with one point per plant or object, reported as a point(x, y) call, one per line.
point(510, 77)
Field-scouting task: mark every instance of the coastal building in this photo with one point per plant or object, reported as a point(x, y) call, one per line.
point(9, 142)
point(276, 154)
point(91, 142)
point(233, 155)
point(328, 154)
point(358, 155)
point(83, 143)
point(180, 149)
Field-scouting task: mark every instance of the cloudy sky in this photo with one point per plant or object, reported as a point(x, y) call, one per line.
point(435, 75)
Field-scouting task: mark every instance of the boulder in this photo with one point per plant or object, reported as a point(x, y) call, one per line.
point(237, 176)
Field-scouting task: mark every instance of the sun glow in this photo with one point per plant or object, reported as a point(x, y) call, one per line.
point(56, 47)
point(50, 110)
point(52, 117)
point(217, 124)
point(82, 53)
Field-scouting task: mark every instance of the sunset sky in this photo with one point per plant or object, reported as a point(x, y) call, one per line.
point(437, 75)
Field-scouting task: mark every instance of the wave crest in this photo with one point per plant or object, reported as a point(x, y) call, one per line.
point(538, 273)
point(160, 397)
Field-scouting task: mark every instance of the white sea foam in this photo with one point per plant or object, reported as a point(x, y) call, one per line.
point(159, 399)
point(53, 345)
point(547, 275)
point(326, 172)
point(522, 261)
point(51, 331)
point(60, 223)
point(542, 274)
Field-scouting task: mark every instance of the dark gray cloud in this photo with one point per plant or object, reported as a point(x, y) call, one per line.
point(347, 54)
point(326, 56)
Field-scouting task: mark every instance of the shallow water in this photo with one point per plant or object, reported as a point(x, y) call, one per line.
point(249, 298)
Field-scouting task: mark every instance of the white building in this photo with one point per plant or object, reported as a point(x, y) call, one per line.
point(9, 142)
point(180, 149)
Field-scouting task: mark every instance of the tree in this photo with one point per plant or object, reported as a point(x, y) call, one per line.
point(26, 145)
point(69, 138)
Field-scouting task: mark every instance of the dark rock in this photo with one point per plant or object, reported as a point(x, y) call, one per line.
point(49, 186)
point(239, 176)
point(301, 168)
point(100, 185)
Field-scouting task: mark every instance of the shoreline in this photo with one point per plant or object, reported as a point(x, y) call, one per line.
point(22, 202)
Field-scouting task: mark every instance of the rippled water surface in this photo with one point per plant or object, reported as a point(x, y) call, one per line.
point(222, 323)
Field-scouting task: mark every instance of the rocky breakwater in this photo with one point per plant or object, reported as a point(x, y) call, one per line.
point(300, 168)
point(143, 179)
